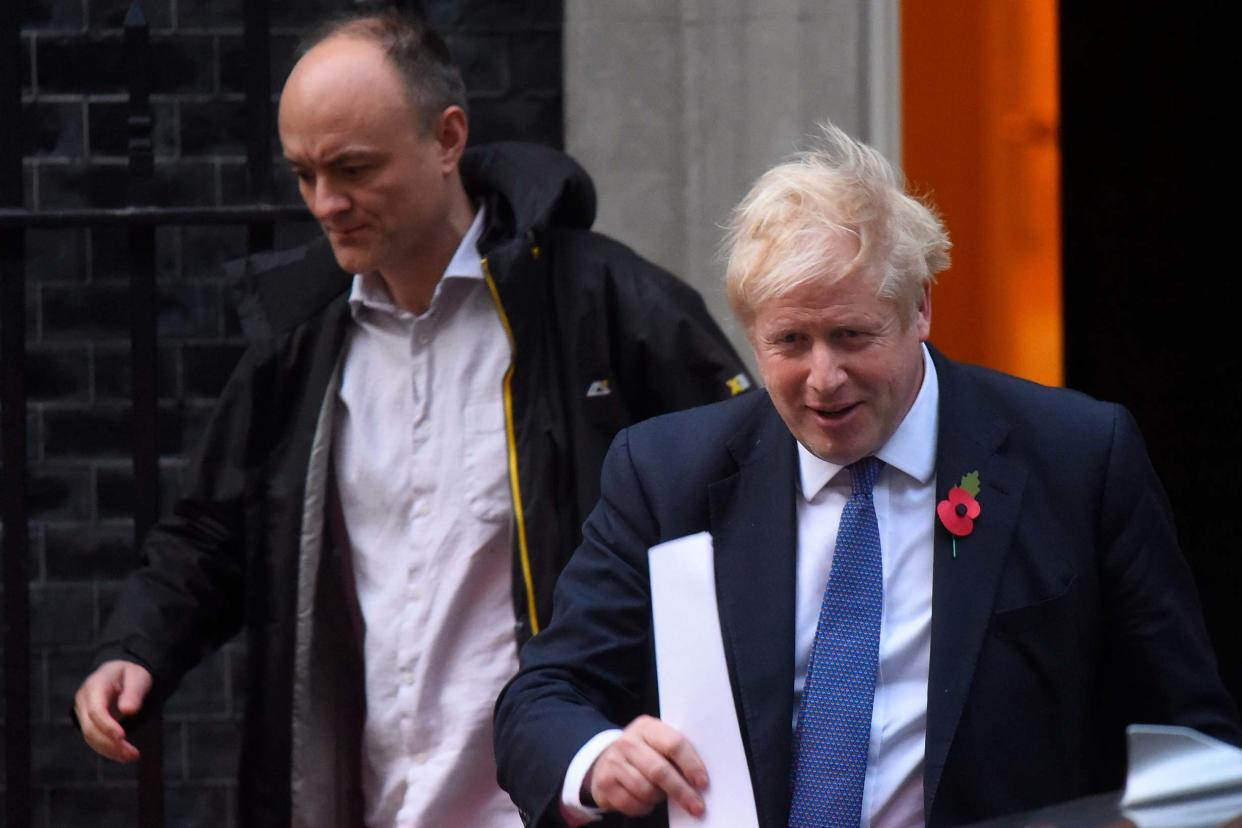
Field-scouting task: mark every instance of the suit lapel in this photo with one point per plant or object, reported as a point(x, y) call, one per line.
point(964, 587)
point(752, 522)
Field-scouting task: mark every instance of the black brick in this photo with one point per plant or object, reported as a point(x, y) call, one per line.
point(203, 691)
point(295, 234)
point(110, 253)
point(60, 492)
point(235, 185)
point(205, 248)
point(524, 119)
point(61, 374)
point(60, 755)
point(65, 673)
point(233, 64)
point(104, 551)
point(111, 806)
point(206, 368)
point(28, 181)
point(535, 62)
point(494, 15)
point(55, 255)
point(95, 63)
point(27, 64)
point(52, 129)
point(42, 15)
point(214, 14)
point(484, 63)
point(114, 373)
point(216, 127)
point(110, 14)
point(115, 489)
point(106, 432)
point(77, 312)
point(174, 764)
point(109, 127)
point(64, 186)
point(190, 309)
point(198, 806)
point(61, 615)
point(307, 13)
point(212, 749)
point(284, 55)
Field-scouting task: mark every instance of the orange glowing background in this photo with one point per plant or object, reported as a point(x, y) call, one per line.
point(979, 136)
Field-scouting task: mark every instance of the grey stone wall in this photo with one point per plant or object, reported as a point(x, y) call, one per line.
point(677, 106)
point(74, 139)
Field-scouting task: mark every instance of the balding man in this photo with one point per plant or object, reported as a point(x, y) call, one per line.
point(397, 471)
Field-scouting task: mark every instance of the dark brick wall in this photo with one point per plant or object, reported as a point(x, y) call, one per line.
point(74, 137)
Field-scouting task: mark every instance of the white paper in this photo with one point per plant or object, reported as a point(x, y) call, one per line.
point(695, 696)
point(1167, 763)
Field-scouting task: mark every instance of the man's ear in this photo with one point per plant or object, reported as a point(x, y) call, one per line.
point(923, 318)
point(451, 130)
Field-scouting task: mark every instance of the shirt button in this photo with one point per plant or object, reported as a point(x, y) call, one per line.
point(422, 510)
point(420, 758)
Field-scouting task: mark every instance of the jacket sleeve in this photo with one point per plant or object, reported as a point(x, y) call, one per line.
point(1167, 672)
point(670, 353)
point(188, 596)
point(588, 671)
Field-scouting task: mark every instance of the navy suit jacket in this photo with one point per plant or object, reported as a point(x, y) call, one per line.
point(1067, 613)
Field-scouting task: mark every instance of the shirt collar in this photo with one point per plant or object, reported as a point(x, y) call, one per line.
point(369, 290)
point(911, 449)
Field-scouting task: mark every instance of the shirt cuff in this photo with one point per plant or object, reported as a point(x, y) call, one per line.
point(572, 810)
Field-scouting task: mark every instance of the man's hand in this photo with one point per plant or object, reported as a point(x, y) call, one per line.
point(115, 690)
point(647, 764)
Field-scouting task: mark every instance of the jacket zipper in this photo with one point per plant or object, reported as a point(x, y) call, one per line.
point(515, 486)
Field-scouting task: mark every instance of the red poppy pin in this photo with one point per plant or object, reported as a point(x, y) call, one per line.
point(958, 511)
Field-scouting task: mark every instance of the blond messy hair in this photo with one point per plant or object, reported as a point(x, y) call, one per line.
point(803, 219)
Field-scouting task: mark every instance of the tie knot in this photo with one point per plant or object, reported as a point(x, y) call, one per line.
point(863, 474)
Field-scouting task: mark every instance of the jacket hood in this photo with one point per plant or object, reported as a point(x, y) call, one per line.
point(526, 189)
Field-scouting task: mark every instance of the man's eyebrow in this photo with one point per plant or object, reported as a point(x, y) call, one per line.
point(352, 154)
point(345, 155)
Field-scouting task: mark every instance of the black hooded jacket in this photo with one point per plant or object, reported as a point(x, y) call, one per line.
point(601, 339)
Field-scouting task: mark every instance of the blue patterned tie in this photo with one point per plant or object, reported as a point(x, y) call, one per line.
point(834, 720)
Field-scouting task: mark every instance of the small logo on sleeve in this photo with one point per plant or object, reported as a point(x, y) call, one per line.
point(738, 384)
point(599, 388)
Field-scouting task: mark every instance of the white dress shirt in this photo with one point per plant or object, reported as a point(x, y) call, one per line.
point(905, 504)
point(420, 459)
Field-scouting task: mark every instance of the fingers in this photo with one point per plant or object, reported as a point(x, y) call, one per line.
point(647, 764)
point(134, 686)
point(115, 688)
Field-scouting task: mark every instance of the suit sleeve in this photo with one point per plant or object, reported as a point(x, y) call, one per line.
point(188, 596)
point(588, 671)
point(1168, 671)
